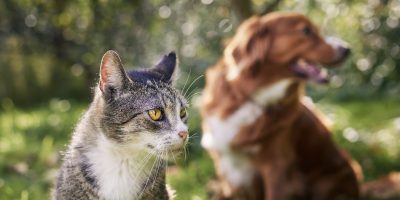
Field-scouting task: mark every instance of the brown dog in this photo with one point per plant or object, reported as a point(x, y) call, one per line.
point(265, 143)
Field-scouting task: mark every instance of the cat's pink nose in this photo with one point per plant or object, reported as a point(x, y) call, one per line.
point(183, 134)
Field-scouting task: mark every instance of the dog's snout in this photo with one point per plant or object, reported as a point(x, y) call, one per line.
point(341, 48)
point(344, 51)
point(336, 42)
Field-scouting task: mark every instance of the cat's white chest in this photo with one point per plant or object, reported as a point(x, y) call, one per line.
point(120, 175)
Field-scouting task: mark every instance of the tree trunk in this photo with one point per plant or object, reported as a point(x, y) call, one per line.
point(242, 10)
point(270, 7)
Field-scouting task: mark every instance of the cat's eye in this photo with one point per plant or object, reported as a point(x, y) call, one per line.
point(183, 113)
point(155, 114)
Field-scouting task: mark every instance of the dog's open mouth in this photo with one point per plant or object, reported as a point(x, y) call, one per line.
point(311, 71)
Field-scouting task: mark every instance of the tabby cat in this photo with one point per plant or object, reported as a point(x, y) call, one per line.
point(119, 149)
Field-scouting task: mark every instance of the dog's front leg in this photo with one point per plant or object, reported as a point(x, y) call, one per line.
point(274, 183)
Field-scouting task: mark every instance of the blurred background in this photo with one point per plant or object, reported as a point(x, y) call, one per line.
point(51, 50)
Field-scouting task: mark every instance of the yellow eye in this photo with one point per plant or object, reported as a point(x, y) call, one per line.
point(183, 113)
point(155, 114)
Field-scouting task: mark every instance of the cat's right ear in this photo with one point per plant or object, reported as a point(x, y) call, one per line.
point(112, 74)
point(167, 67)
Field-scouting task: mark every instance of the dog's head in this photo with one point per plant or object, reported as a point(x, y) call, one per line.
point(283, 45)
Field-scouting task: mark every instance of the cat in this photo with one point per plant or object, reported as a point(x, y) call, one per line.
point(120, 147)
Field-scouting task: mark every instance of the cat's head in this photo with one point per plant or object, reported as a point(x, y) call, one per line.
point(141, 108)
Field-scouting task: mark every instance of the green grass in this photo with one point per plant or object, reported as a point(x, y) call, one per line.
point(30, 145)
point(31, 141)
point(370, 131)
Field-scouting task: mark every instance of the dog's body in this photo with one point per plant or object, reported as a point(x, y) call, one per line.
point(255, 123)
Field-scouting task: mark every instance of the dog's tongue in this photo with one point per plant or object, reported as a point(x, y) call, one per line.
point(310, 71)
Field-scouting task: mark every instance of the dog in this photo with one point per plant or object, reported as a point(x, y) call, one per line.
point(385, 187)
point(266, 143)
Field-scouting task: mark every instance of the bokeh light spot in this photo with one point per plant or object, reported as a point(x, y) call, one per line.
point(351, 135)
point(164, 12)
point(363, 64)
point(30, 21)
point(225, 25)
point(187, 28)
point(206, 2)
point(77, 70)
point(396, 123)
point(188, 50)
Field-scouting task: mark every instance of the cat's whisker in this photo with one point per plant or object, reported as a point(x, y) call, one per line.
point(148, 178)
point(156, 170)
point(189, 143)
point(158, 144)
point(190, 86)
point(191, 95)
point(145, 186)
point(184, 151)
point(173, 156)
point(159, 164)
point(193, 135)
point(187, 78)
point(145, 160)
point(191, 92)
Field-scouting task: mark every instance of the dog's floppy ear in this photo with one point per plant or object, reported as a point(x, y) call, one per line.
point(259, 44)
point(248, 48)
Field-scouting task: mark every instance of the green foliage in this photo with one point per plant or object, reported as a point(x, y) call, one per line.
point(53, 48)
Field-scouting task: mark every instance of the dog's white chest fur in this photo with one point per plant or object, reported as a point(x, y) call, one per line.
point(220, 132)
point(120, 173)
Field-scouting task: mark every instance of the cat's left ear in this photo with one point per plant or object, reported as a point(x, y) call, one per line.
point(167, 68)
point(112, 74)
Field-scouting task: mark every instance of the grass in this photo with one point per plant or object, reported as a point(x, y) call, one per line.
point(31, 141)
point(370, 131)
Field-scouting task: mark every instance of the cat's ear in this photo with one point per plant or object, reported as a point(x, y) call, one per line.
point(167, 68)
point(112, 74)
